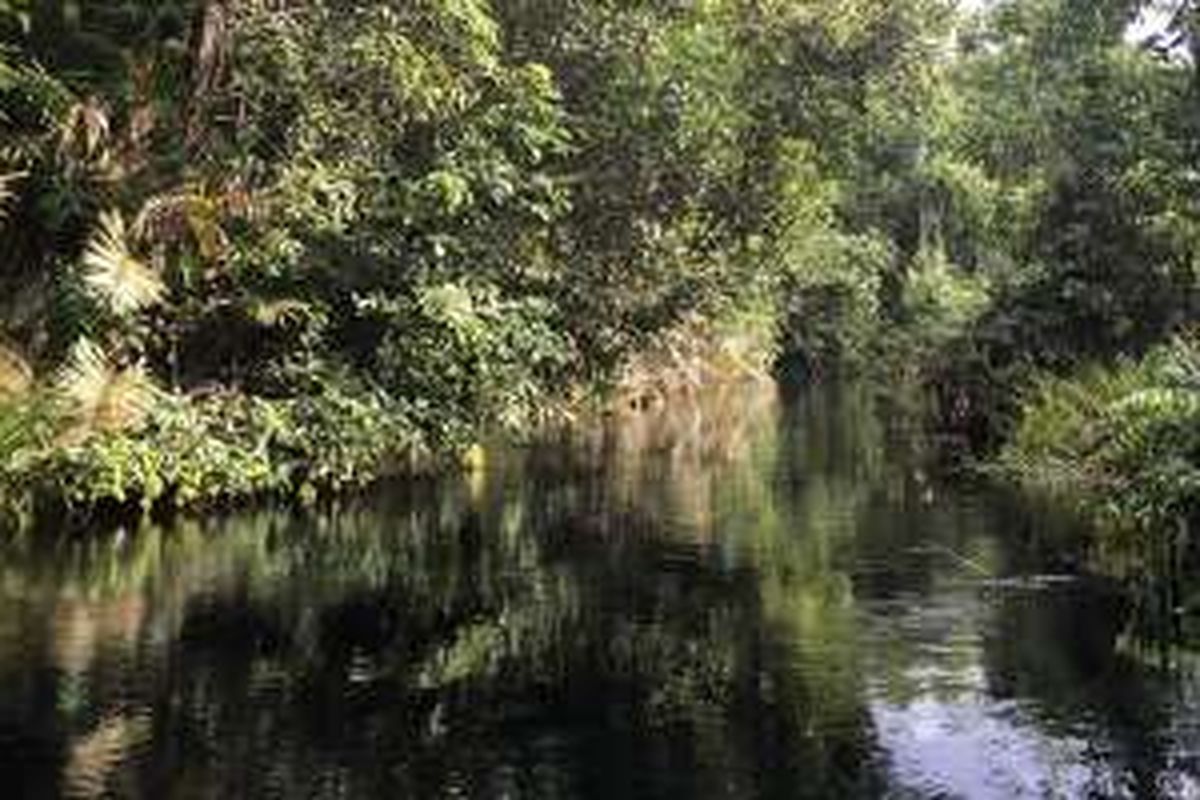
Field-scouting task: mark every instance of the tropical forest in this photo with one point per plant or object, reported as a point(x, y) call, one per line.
point(600, 398)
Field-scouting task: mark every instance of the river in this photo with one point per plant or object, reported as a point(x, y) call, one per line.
point(762, 593)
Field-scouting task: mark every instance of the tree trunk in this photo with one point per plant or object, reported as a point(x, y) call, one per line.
point(210, 47)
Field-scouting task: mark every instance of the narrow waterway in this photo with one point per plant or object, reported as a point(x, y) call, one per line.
point(761, 594)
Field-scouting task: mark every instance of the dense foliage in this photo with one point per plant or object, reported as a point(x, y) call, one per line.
point(255, 246)
point(1077, 202)
point(252, 246)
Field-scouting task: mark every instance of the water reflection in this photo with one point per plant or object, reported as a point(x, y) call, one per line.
point(754, 595)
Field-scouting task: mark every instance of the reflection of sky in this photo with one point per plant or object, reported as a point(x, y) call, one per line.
point(981, 750)
point(944, 734)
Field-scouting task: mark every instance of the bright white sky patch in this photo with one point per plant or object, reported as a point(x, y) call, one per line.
point(1152, 21)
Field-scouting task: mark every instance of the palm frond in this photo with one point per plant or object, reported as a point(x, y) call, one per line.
point(85, 128)
point(114, 275)
point(51, 98)
point(276, 313)
point(6, 195)
point(7, 191)
point(102, 396)
point(14, 430)
point(16, 376)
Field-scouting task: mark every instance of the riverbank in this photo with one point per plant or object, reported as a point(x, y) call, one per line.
point(221, 449)
point(194, 452)
point(1121, 444)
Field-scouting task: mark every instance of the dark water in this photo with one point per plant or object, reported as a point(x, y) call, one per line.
point(747, 597)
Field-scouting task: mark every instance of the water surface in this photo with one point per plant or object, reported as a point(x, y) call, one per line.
point(760, 594)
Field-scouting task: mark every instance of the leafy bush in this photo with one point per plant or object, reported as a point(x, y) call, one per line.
point(833, 301)
point(203, 450)
point(464, 356)
point(1122, 442)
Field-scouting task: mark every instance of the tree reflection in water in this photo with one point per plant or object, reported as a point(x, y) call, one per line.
point(751, 595)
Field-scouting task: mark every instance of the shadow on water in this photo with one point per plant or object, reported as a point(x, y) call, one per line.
point(759, 594)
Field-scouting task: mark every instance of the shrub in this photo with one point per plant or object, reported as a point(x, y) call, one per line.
point(1122, 442)
point(194, 451)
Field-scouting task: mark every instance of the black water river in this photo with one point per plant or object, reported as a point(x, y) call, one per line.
point(760, 595)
